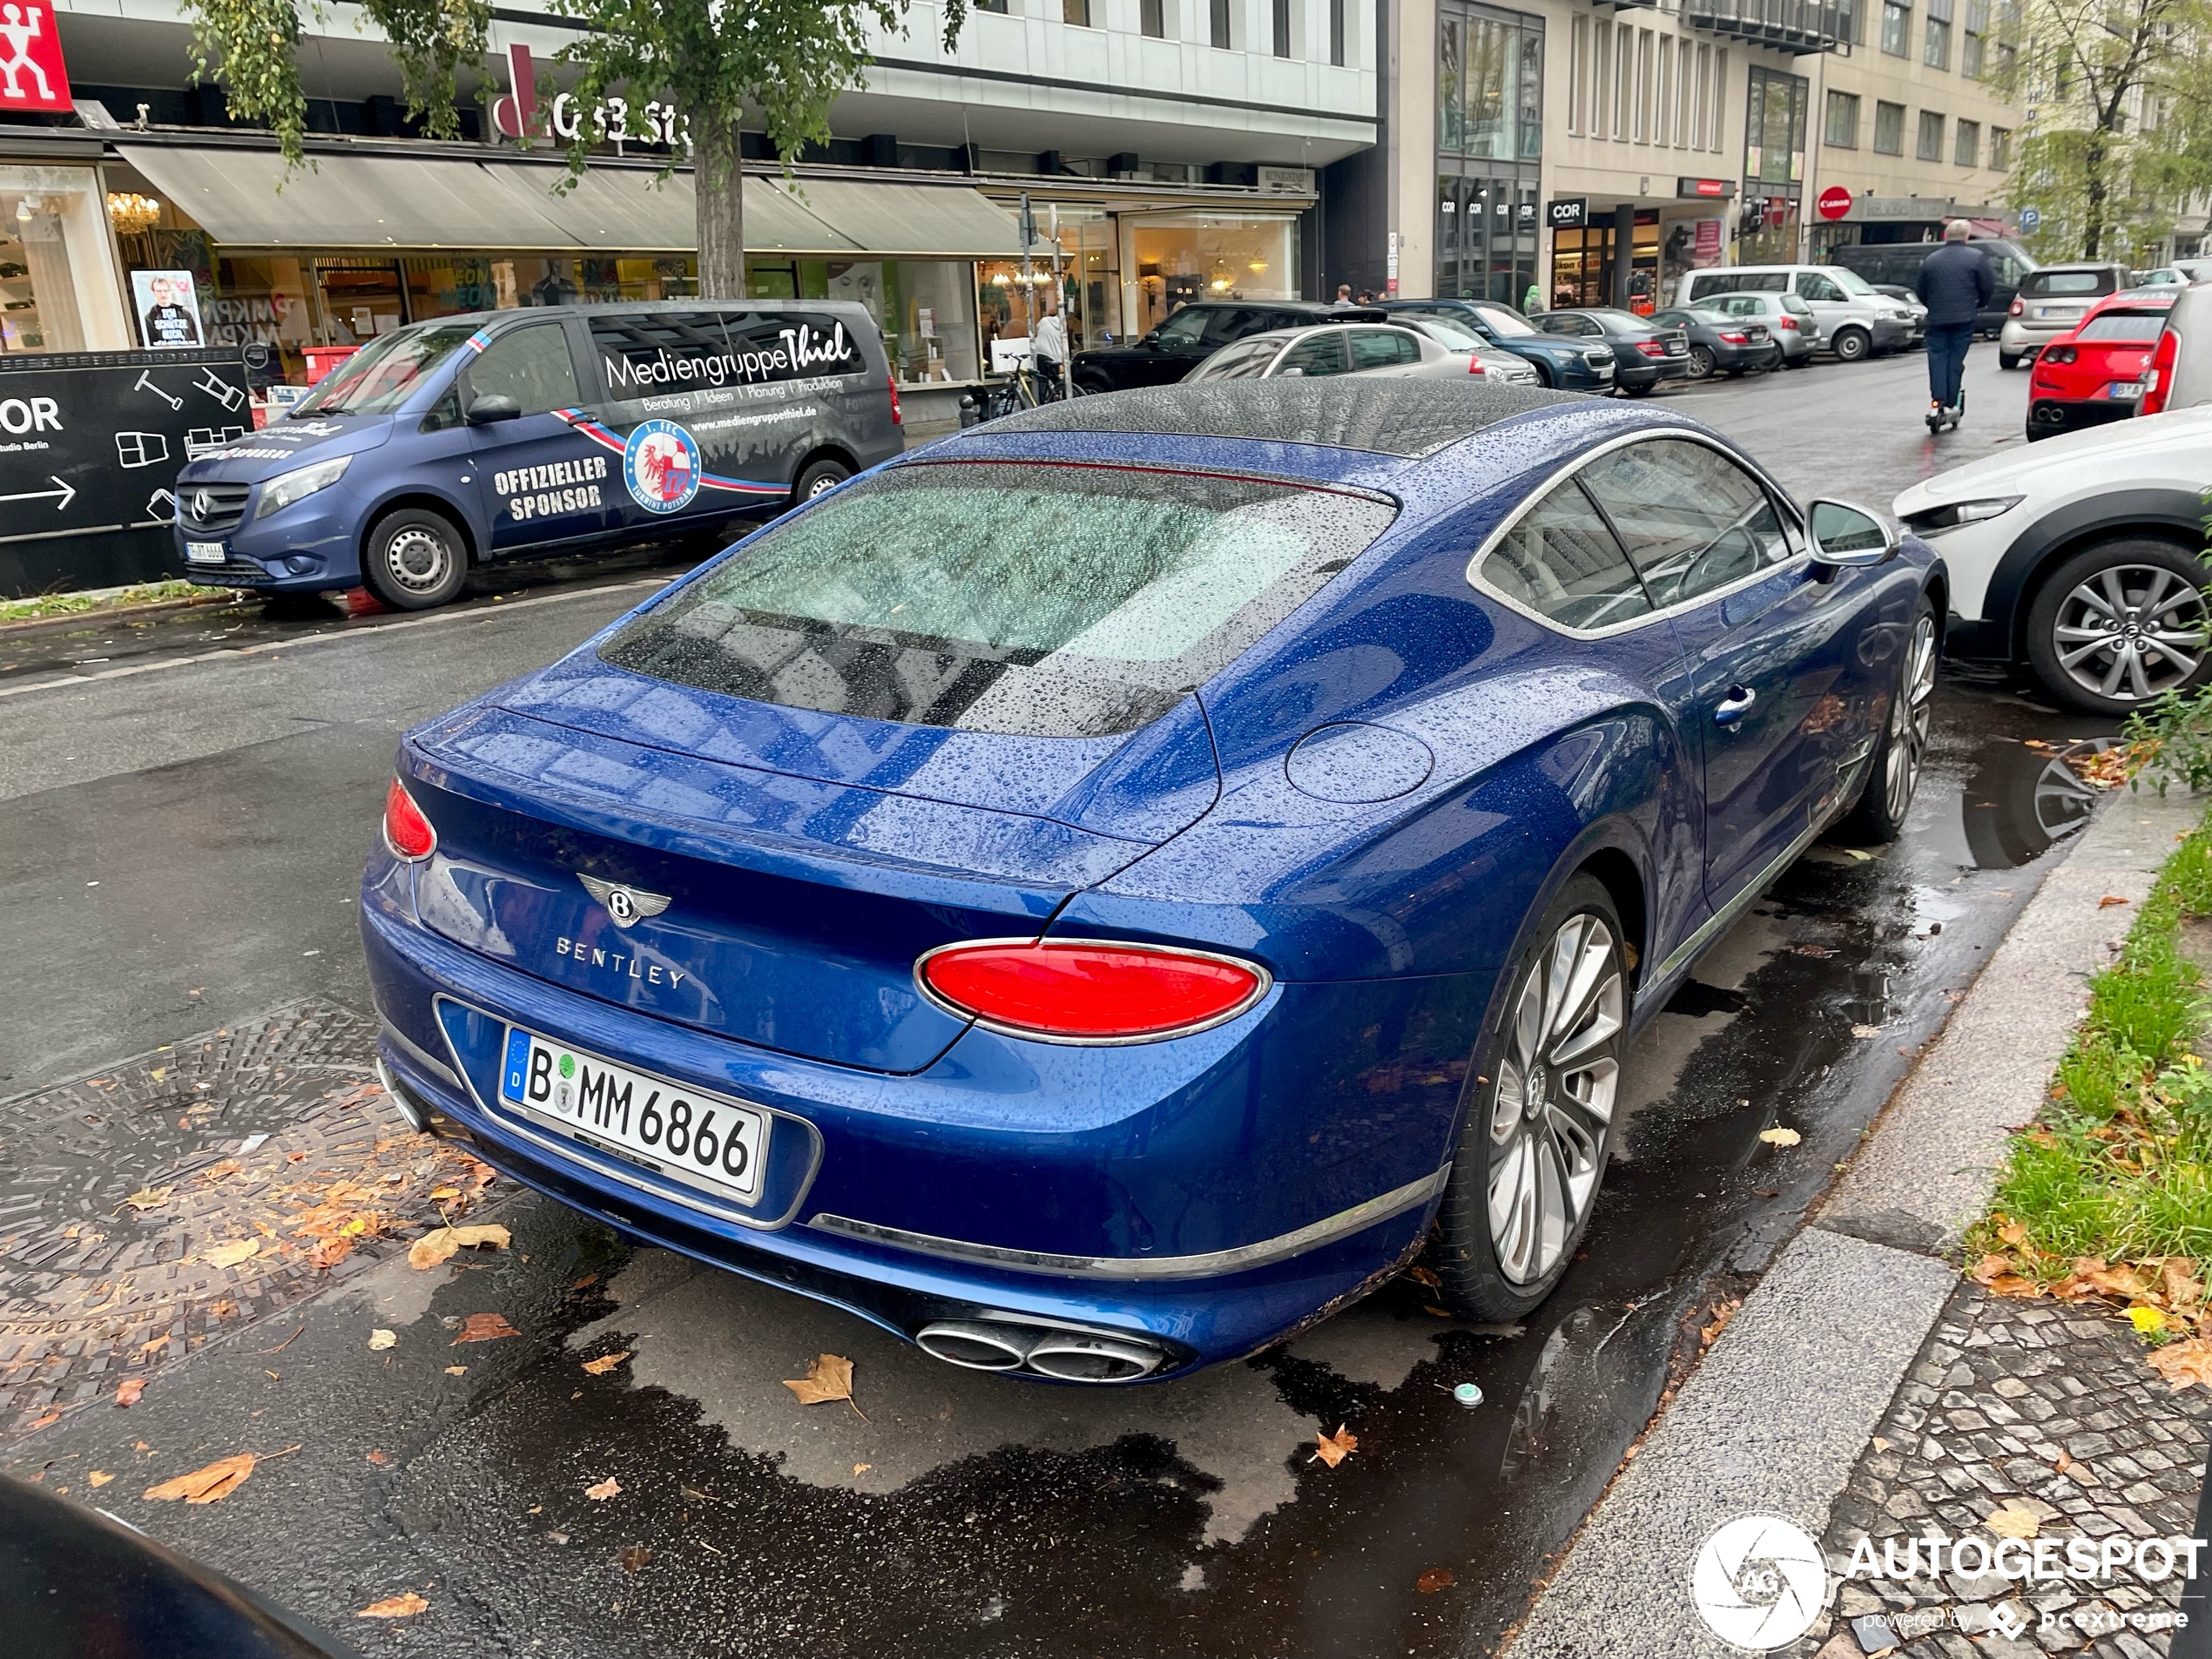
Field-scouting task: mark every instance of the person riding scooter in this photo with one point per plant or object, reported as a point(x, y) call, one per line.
point(1955, 283)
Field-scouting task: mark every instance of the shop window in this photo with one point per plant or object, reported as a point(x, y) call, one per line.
point(1842, 129)
point(1152, 18)
point(265, 301)
point(1182, 258)
point(1218, 24)
point(1931, 146)
point(931, 304)
point(1889, 128)
point(1966, 152)
point(1897, 21)
point(58, 290)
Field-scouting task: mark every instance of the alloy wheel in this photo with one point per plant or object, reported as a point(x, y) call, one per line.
point(1553, 1107)
point(418, 558)
point(2130, 631)
point(1911, 714)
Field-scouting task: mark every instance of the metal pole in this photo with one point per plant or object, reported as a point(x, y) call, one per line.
point(1059, 292)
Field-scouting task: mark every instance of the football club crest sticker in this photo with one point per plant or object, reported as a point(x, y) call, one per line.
point(660, 464)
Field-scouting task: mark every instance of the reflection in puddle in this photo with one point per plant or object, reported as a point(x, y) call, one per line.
point(1566, 1373)
point(2022, 799)
point(1868, 1001)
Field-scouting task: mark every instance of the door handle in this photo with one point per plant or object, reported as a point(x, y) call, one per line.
point(1735, 706)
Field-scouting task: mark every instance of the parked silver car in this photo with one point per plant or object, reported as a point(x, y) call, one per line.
point(2052, 300)
point(1335, 349)
point(1789, 319)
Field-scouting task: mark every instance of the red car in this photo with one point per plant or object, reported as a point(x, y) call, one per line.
point(2092, 374)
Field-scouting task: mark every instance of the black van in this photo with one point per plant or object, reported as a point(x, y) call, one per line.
point(508, 434)
point(1900, 262)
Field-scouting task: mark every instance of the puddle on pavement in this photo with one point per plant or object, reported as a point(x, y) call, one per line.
point(971, 1515)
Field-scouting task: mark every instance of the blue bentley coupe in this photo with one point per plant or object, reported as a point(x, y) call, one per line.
point(1097, 894)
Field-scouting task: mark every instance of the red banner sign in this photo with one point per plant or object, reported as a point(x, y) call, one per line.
point(32, 74)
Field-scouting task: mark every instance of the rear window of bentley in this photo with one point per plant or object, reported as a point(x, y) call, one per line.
point(1052, 600)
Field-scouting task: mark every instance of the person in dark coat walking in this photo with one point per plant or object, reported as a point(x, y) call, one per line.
point(1955, 284)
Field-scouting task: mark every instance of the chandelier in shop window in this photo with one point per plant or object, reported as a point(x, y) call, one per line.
point(132, 215)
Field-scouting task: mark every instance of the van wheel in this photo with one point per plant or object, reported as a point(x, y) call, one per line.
point(821, 476)
point(1851, 345)
point(415, 559)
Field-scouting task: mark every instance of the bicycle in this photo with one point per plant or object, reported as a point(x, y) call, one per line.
point(1025, 388)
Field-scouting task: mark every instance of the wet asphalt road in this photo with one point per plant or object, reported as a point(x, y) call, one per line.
point(182, 834)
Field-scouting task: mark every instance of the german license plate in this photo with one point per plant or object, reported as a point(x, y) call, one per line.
point(704, 1141)
point(204, 552)
point(2125, 388)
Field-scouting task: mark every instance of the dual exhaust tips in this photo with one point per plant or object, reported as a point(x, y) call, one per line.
point(1061, 1352)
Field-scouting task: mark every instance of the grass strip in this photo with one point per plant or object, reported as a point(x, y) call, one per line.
point(45, 605)
point(2108, 1193)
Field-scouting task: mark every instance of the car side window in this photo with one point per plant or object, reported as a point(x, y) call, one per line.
point(1562, 561)
point(1316, 354)
point(1692, 520)
point(1813, 285)
point(1795, 307)
point(1182, 331)
point(1382, 348)
point(1242, 360)
point(1234, 322)
point(531, 365)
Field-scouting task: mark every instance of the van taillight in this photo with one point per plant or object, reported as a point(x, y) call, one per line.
point(896, 418)
point(406, 831)
point(2158, 379)
point(1088, 990)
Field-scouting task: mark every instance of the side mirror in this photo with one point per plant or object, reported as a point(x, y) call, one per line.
point(489, 407)
point(1846, 537)
point(1285, 373)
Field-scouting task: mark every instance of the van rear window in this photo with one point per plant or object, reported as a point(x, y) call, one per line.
point(1052, 600)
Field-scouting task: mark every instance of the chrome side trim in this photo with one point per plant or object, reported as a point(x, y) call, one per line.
point(562, 1146)
point(1360, 1216)
point(1720, 919)
point(421, 1056)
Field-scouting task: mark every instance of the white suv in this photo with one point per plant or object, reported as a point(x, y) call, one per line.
point(1856, 321)
point(2081, 559)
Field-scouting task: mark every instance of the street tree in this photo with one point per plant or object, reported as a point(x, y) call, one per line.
point(2119, 101)
point(717, 62)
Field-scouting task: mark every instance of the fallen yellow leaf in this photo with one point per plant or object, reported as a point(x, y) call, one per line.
point(127, 1391)
point(441, 1242)
point(232, 1254)
point(2183, 1363)
point(605, 1363)
point(1780, 1136)
point(211, 1485)
point(862, 1468)
point(484, 1327)
point(395, 1606)
point(1332, 1449)
point(607, 1488)
point(382, 1339)
point(456, 1371)
point(148, 1197)
point(99, 1478)
point(2013, 1520)
point(829, 1378)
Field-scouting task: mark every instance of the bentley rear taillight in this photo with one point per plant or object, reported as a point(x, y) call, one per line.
point(1088, 990)
point(406, 831)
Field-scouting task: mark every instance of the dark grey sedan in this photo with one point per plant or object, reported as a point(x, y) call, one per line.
point(1643, 354)
point(1721, 344)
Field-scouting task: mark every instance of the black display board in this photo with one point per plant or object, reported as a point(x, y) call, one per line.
point(91, 444)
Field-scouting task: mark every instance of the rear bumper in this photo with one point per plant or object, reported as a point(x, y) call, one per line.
point(2047, 417)
point(1054, 1217)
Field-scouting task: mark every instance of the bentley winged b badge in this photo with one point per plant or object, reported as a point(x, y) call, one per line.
point(625, 905)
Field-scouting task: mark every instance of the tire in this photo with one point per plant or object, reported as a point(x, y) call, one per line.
point(2008, 359)
point(1644, 390)
point(2146, 583)
point(1851, 345)
point(1701, 363)
point(413, 559)
point(1893, 770)
point(1547, 1148)
point(1091, 388)
point(818, 477)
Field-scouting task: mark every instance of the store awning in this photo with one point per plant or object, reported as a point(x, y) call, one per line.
point(243, 199)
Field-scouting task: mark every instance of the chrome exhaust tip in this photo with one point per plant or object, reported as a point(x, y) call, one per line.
point(1077, 1357)
point(417, 1115)
point(976, 1346)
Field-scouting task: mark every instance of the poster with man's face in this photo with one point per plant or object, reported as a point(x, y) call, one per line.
point(168, 310)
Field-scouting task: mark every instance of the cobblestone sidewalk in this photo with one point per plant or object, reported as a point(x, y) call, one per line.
point(2044, 1404)
point(185, 1192)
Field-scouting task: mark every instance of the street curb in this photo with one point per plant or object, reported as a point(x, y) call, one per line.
point(1776, 1415)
